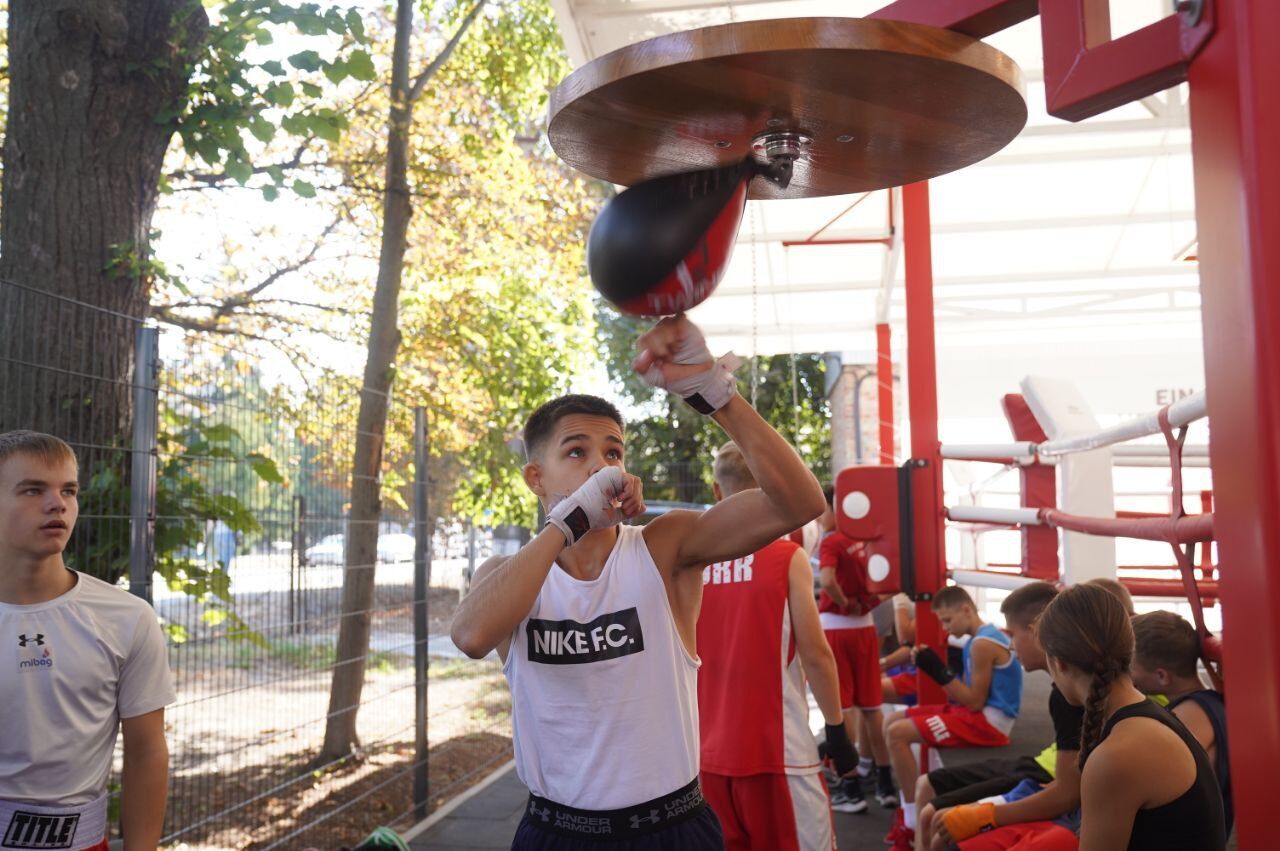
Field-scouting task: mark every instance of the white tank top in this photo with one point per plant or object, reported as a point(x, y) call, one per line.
point(604, 694)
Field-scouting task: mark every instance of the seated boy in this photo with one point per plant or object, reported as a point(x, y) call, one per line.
point(1015, 796)
point(1166, 651)
point(986, 697)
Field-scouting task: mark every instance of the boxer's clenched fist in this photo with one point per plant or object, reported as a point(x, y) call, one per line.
point(674, 356)
point(606, 499)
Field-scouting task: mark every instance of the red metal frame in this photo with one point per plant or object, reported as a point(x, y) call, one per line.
point(1039, 486)
point(1234, 132)
point(1086, 72)
point(1234, 128)
point(884, 384)
point(922, 402)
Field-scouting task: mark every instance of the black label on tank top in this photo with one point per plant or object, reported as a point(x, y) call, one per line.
point(569, 642)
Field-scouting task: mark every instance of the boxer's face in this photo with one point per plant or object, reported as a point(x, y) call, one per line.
point(1148, 680)
point(956, 620)
point(1025, 644)
point(38, 505)
point(579, 445)
point(1073, 687)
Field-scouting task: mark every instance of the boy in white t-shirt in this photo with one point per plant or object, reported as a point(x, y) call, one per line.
point(83, 659)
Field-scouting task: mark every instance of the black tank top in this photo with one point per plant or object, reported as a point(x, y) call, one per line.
point(1194, 820)
point(1211, 702)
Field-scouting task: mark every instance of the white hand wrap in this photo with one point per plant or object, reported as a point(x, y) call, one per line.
point(706, 392)
point(589, 507)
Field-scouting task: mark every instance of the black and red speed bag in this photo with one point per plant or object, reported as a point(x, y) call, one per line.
point(660, 247)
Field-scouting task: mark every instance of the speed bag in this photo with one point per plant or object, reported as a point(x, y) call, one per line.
point(660, 247)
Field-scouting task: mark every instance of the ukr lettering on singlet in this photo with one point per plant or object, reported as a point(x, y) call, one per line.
point(569, 642)
point(725, 572)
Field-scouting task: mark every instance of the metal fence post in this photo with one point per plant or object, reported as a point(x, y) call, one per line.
point(142, 487)
point(421, 580)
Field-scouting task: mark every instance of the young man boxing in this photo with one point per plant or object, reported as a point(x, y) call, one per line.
point(596, 622)
point(985, 695)
point(85, 659)
point(760, 767)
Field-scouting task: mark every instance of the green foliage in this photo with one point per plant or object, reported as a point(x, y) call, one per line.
point(313, 656)
point(671, 447)
point(494, 312)
point(185, 504)
point(129, 261)
point(236, 94)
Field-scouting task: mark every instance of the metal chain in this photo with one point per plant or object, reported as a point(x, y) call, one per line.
point(755, 311)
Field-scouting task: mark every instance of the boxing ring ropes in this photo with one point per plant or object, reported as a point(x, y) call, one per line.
point(1224, 50)
point(1178, 529)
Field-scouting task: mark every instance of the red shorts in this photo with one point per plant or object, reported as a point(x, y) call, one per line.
point(1031, 836)
point(904, 685)
point(951, 726)
point(787, 812)
point(857, 653)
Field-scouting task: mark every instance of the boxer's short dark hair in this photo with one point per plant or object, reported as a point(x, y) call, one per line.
point(1165, 640)
point(952, 597)
point(1025, 604)
point(543, 421)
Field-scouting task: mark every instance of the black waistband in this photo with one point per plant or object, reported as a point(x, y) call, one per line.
point(649, 817)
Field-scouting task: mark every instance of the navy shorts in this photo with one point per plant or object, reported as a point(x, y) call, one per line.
point(681, 821)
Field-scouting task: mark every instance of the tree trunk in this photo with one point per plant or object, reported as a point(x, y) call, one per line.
point(340, 736)
point(82, 159)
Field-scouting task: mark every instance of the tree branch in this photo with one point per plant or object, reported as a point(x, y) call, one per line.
point(206, 178)
point(419, 83)
point(246, 297)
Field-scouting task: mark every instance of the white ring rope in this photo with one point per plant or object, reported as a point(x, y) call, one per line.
point(1181, 413)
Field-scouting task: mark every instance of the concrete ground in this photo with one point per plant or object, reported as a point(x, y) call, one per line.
point(488, 819)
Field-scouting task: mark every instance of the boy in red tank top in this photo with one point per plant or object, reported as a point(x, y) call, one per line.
point(759, 637)
point(845, 606)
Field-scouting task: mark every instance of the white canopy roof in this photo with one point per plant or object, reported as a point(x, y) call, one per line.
point(1072, 243)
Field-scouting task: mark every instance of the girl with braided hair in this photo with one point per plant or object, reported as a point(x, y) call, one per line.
point(1145, 783)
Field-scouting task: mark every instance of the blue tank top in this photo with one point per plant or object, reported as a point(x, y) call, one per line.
point(1211, 702)
point(1006, 680)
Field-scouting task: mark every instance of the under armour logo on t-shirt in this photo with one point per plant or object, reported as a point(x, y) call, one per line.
point(38, 640)
point(569, 642)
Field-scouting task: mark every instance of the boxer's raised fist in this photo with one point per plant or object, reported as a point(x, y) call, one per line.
point(674, 356)
point(607, 498)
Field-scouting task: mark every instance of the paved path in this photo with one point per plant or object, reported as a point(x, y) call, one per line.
point(488, 820)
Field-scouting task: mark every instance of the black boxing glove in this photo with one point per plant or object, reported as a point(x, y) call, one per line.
point(928, 661)
point(840, 749)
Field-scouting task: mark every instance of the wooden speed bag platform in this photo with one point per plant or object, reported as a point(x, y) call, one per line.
point(857, 104)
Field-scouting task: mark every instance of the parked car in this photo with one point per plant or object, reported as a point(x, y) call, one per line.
point(392, 548)
point(331, 549)
point(396, 547)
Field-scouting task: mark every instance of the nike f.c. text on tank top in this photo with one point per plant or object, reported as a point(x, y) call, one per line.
point(603, 691)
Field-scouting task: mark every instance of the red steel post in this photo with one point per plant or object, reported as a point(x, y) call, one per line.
point(922, 410)
point(1234, 128)
point(884, 383)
